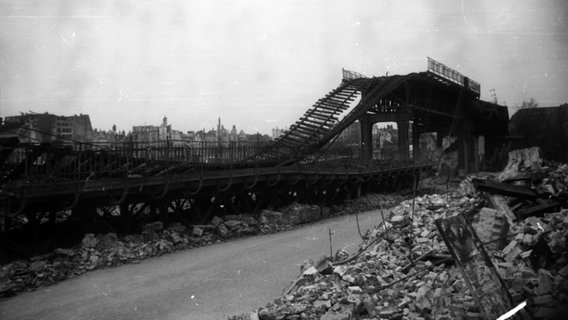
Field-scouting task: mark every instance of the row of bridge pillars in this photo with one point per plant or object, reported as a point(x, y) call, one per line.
point(403, 124)
point(63, 227)
point(468, 146)
point(403, 140)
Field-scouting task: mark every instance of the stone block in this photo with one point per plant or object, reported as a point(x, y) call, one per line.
point(272, 217)
point(89, 240)
point(325, 212)
point(232, 224)
point(231, 217)
point(332, 315)
point(223, 231)
point(249, 220)
point(197, 232)
point(397, 219)
point(38, 265)
point(355, 289)
point(310, 271)
point(266, 314)
point(177, 227)
point(325, 268)
point(216, 221)
point(513, 254)
point(310, 213)
point(155, 226)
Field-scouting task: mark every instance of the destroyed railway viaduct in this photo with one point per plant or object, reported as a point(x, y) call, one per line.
point(52, 191)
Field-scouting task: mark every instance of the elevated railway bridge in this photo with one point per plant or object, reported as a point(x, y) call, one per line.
point(53, 192)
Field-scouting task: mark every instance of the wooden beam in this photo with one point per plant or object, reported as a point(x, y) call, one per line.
point(504, 189)
point(541, 208)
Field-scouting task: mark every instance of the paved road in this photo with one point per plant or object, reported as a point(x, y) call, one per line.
point(205, 283)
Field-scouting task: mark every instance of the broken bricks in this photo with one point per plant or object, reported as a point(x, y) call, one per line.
point(384, 281)
point(101, 251)
point(94, 251)
point(152, 231)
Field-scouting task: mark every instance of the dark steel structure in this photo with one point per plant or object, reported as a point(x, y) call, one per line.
point(119, 187)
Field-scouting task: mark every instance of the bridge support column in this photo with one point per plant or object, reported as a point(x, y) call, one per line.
point(80, 221)
point(462, 149)
point(403, 149)
point(126, 217)
point(416, 141)
point(366, 140)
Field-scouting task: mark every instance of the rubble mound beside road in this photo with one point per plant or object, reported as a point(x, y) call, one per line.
point(404, 270)
point(109, 250)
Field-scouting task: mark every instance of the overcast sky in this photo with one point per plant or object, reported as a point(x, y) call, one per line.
point(262, 64)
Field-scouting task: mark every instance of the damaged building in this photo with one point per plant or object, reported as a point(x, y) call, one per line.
point(546, 127)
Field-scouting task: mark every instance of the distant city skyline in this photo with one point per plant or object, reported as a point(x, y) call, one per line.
point(157, 123)
point(164, 123)
point(261, 64)
point(46, 127)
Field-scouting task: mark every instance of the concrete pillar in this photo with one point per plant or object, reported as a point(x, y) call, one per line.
point(366, 140)
point(403, 149)
point(84, 213)
point(480, 153)
point(415, 141)
point(462, 149)
point(125, 217)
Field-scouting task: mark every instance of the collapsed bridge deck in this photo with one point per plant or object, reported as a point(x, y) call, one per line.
point(194, 181)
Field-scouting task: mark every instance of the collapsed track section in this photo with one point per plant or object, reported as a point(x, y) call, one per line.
point(321, 124)
point(316, 123)
point(37, 218)
point(52, 195)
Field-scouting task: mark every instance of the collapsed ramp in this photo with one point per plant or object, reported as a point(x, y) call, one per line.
point(328, 117)
point(314, 124)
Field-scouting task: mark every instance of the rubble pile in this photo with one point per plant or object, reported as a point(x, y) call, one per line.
point(404, 270)
point(534, 264)
point(95, 251)
point(533, 261)
point(401, 271)
point(108, 250)
point(287, 218)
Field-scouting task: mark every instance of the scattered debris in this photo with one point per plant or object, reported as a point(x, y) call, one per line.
point(386, 278)
point(108, 250)
point(404, 269)
point(520, 163)
point(95, 251)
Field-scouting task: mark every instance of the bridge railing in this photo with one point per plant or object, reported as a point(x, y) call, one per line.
point(452, 75)
point(350, 75)
point(118, 159)
point(181, 150)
